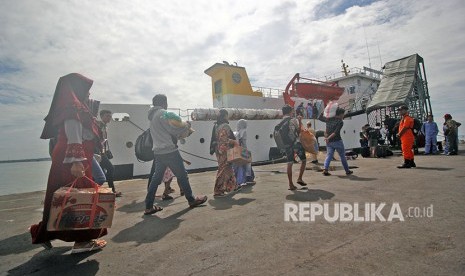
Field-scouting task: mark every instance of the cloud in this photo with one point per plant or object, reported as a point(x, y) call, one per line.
point(134, 49)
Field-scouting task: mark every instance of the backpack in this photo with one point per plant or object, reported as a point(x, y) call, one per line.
point(143, 147)
point(365, 152)
point(281, 134)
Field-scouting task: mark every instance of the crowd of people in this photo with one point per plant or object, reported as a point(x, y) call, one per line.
point(404, 133)
point(81, 153)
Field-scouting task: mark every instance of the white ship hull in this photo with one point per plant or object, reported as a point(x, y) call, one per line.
point(122, 135)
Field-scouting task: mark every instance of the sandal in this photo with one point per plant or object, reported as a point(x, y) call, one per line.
point(198, 201)
point(80, 247)
point(153, 210)
point(292, 188)
point(349, 172)
point(301, 183)
point(326, 173)
point(166, 197)
point(118, 194)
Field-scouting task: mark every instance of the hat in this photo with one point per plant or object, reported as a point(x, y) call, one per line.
point(447, 116)
point(403, 107)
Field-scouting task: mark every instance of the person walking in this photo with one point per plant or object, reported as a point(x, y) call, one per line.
point(406, 137)
point(164, 126)
point(72, 122)
point(223, 139)
point(294, 126)
point(314, 156)
point(243, 172)
point(106, 155)
point(334, 141)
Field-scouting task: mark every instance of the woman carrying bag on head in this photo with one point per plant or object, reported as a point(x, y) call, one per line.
point(70, 119)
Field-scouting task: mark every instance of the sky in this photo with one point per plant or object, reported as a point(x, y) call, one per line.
point(136, 49)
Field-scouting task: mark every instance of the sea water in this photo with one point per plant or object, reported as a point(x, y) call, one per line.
point(23, 177)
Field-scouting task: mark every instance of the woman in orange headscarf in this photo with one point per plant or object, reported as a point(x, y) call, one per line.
point(71, 121)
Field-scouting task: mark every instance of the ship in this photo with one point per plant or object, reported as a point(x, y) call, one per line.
point(355, 90)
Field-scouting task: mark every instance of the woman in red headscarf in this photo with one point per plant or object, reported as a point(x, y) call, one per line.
point(72, 122)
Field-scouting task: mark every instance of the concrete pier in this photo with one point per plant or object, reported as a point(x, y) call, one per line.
point(246, 234)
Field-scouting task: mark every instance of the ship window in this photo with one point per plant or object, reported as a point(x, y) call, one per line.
point(359, 82)
point(202, 140)
point(218, 87)
point(271, 136)
point(351, 89)
point(129, 144)
point(256, 137)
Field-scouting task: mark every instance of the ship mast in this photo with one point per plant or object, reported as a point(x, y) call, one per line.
point(344, 68)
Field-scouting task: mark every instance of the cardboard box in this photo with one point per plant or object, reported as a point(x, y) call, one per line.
point(239, 155)
point(72, 209)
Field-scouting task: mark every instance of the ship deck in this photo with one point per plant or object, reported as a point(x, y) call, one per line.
point(246, 234)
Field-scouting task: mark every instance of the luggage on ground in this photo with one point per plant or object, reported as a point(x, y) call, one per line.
point(365, 152)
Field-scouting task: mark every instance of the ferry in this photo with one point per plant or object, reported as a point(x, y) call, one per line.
point(352, 89)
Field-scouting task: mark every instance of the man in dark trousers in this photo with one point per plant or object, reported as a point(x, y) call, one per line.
point(106, 155)
point(390, 122)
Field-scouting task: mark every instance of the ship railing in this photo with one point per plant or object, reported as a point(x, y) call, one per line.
point(269, 92)
point(355, 70)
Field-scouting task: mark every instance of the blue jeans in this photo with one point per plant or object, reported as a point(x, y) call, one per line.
point(97, 172)
point(174, 161)
point(339, 147)
point(446, 146)
point(430, 144)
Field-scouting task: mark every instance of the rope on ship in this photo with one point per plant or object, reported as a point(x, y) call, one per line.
point(208, 159)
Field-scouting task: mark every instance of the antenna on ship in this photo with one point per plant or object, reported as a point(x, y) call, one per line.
point(344, 68)
point(379, 53)
point(368, 50)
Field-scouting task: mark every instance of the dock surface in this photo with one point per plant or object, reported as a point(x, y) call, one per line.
point(246, 234)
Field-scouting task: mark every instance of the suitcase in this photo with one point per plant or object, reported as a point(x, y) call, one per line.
point(381, 151)
point(365, 152)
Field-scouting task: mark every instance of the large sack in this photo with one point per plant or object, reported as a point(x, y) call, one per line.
point(308, 141)
point(330, 109)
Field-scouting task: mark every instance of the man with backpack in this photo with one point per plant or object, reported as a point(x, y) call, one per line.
point(287, 139)
point(163, 126)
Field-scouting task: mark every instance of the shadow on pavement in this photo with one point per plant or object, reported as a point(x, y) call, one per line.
point(432, 169)
point(357, 178)
point(151, 229)
point(17, 244)
point(227, 202)
point(309, 195)
point(55, 262)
